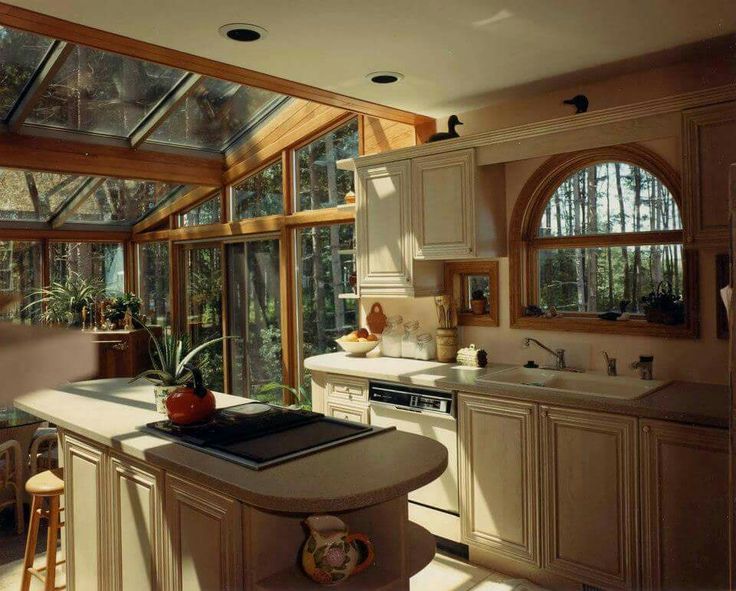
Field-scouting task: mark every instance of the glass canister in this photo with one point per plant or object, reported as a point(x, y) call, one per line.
point(409, 340)
point(425, 348)
point(391, 337)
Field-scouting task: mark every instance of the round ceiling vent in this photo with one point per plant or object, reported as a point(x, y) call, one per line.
point(243, 32)
point(384, 77)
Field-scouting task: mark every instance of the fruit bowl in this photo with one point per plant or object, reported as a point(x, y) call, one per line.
point(357, 348)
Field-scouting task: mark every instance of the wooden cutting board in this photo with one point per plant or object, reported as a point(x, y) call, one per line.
point(376, 319)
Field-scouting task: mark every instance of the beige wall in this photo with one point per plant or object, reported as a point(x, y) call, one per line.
point(704, 359)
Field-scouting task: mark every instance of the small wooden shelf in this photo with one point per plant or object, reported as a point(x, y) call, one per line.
point(346, 207)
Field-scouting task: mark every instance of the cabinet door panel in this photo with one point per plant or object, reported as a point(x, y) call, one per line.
point(589, 486)
point(499, 476)
point(347, 412)
point(384, 228)
point(205, 538)
point(136, 502)
point(443, 205)
point(85, 514)
point(684, 473)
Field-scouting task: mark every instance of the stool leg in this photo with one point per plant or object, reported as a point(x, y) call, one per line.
point(19, 517)
point(31, 541)
point(53, 538)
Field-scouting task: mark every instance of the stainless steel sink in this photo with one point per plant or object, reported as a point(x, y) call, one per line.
point(623, 388)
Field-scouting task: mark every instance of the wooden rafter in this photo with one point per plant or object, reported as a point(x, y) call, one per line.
point(67, 210)
point(52, 63)
point(36, 22)
point(185, 201)
point(156, 117)
point(45, 154)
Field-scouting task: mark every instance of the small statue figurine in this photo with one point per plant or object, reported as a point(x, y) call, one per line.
point(128, 319)
point(452, 123)
point(84, 317)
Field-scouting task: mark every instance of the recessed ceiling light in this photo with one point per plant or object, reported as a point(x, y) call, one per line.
point(243, 32)
point(384, 77)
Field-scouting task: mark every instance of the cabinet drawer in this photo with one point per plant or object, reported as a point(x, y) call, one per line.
point(347, 412)
point(347, 389)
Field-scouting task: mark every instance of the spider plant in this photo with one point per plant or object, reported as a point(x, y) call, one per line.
point(62, 301)
point(170, 354)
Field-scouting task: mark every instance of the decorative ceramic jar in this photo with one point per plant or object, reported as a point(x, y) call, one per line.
point(446, 344)
point(409, 340)
point(391, 337)
point(161, 393)
point(331, 554)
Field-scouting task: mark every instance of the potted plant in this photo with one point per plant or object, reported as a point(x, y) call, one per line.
point(301, 399)
point(664, 306)
point(119, 305)
point(62, 302)
point(478, 302)
point(170, 356)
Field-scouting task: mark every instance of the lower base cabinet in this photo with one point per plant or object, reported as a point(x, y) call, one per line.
point(684, 491)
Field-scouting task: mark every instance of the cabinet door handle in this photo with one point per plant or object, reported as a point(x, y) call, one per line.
point(646, 429)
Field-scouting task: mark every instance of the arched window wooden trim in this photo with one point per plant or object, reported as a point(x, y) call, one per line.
point(524, 243)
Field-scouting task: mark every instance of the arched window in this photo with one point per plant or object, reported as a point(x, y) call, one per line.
point(595, 232)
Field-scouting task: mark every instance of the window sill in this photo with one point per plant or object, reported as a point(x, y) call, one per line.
point(596, 325)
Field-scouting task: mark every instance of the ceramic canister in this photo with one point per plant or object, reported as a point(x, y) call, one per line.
point(446, 344)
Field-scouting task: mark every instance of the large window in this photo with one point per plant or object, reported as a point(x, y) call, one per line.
point(101, 261)
point(318, 181)
point(207, 212)
point(20, 275)
point(599, 235)
point(153, 282)
point(260, 194)
point(255, 315)
point(325, 264)
point(202, 290)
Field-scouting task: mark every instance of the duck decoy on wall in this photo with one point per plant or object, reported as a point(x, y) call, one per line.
point(579, 101)
point(452, 123)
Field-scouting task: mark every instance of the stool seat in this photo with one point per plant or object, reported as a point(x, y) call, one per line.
point(47, 484)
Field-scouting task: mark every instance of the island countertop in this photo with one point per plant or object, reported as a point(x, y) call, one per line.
point(357, 474)
point(686, 402)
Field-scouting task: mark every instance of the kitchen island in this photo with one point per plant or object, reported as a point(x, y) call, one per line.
point(143, 512)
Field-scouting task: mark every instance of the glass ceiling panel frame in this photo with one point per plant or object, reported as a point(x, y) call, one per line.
point(55, 58)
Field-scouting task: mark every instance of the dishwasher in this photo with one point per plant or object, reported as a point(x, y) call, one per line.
point(431, 413)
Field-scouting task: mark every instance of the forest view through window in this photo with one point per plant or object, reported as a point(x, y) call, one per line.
point(600, 201)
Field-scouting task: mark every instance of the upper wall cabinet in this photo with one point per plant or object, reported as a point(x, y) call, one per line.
point(709, 147)
point(384, 237)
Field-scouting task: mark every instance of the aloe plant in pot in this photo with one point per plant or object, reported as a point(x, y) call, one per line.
point(170, 355)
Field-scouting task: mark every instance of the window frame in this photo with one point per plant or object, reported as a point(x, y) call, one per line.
point(525, 244)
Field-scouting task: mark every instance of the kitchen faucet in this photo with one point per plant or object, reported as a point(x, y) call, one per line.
point(610, 364)
point(558, 354)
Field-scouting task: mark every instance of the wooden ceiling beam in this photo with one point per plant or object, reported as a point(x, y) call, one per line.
point(47, 154)
point(64, 234)
point(67, 210)
point(167, 106)
point(42, 24)
point(185, 201)
point(52, 63)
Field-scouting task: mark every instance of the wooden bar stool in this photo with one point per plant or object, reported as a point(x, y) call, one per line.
point(46, 486)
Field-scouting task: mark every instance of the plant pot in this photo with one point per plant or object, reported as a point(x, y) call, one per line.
point(478, 307)
point(160, 394)
point(659, 316)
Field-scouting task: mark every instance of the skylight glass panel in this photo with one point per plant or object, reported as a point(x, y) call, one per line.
point(214, 115)
point(34, 196)
point(119, 201)
point(104, 93)
point(20, 55)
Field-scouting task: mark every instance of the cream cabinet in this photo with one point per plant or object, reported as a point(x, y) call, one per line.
point(499, 469)
point(589, 483)
point(346, 398)
point(85, 515)
point(385, 264)
point(205, 538)
point(684, 492)
point(443, 205)
point(347, 412)
point(136, 493)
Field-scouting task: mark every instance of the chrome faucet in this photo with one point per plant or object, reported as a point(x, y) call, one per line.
point(610, 364)
point(558, 354)
point(645, 365)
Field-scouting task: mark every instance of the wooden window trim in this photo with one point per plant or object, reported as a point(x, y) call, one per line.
point(524, 244)
point(459, 269)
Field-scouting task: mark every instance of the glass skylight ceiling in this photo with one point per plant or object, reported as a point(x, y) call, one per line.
point(34, 196)
point(100, 93)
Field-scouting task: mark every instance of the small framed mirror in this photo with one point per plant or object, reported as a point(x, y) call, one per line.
point(473, 287)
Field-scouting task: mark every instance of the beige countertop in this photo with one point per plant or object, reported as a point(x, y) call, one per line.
point(357, 474)
point(685, 402)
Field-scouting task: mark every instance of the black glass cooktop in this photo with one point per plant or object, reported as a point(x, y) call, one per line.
point(259, 435)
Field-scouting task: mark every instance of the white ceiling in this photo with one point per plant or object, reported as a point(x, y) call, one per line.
point(454, 53)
